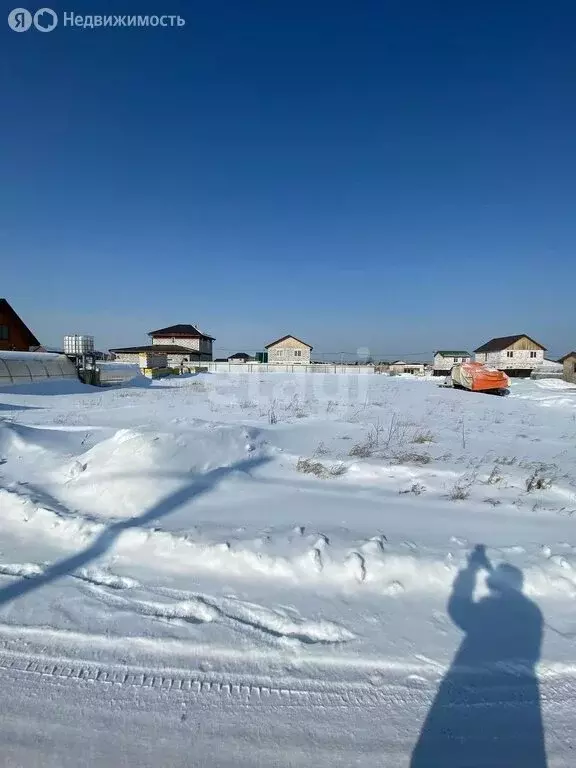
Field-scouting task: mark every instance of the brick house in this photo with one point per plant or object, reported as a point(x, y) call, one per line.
point(289, 350)
point(517, 355)
point(180, 343)
point(444, 360)
point(14, 333)
point(569, 363)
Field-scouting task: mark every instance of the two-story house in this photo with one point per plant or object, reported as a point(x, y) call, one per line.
point(517, 355)
point(181, 343)
point(445, 360)
point(289, 350)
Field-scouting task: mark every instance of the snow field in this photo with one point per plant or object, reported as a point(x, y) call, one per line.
point(206, 504)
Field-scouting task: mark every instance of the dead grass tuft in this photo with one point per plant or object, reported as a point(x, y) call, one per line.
point(423, 436)
point(408, 457)
point(310, 467)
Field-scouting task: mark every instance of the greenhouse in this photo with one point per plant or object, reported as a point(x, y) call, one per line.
point(26, 367)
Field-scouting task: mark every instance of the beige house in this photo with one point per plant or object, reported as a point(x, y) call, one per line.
point(569, 363)
point(399, 366)
point(517, 355)
point(289, 350)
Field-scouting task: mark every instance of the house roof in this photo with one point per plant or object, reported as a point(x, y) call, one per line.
point(565, 357)
point(288, 336)
point(6, 307)
point(452, 353)
point(160, 349)
point(182, 329)
point(239, 356)
point(503, 342)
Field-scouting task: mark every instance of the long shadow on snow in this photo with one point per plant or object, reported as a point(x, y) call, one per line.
point(486, 713)
point(104, 541)
point(13, 407)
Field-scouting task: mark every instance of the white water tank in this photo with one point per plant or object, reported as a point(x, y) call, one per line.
point(78, 345)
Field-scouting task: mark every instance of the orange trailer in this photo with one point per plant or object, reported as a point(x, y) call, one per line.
point(477, 377)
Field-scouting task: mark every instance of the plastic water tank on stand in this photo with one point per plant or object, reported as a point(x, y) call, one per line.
point(77, 345)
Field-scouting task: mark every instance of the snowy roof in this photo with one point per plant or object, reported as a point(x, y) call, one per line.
point(288, 336)
point(182, 329)
point(503, 342)
point(28, 356)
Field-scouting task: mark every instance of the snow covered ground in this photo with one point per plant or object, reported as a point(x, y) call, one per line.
point(255, 569)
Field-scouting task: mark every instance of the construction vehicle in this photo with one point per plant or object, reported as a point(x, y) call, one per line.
point(477, 377)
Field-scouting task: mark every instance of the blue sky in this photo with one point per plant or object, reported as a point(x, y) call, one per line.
point(383, 174)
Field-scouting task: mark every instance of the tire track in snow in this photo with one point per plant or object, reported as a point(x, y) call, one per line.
point(247, 690)
point(213, 688)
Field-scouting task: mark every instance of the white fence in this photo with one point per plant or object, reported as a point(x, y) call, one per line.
point(281, 368)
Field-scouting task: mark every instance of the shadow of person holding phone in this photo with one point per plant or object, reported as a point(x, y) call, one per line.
point(486, 713)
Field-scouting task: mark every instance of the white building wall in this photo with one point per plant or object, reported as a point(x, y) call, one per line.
point(173, 361)
point(521, 359)
point(289, 351)
point(442, 363)
point(181, 342)
point(125, 357)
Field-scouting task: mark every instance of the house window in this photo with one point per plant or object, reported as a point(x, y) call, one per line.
point(532, 354)
point(574, 371)
point(4, 333)
point(297, 353)
point(279, 353)
point(510, 353)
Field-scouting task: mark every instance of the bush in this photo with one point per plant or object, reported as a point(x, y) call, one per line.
point(537, 483)
point(459, 492)
point(310, 467)
point(416, 489)
point(411, 458)
point(494, 477)
point(423, 436)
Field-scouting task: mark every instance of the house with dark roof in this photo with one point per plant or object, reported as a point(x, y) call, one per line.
point(445, 359)
point(181, 343)
point(240, 357)
point(518, 355)
point(14, 333)
point(290, 350)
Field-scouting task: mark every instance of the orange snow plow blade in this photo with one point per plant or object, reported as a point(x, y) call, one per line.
point(479, 378)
